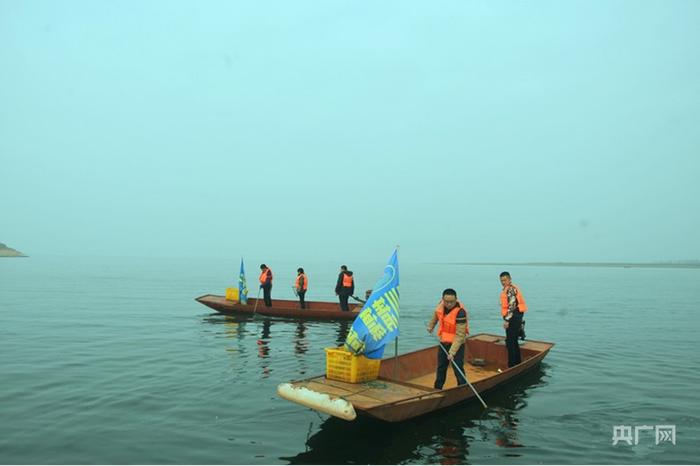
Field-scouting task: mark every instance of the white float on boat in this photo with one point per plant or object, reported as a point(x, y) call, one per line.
point(332, 405)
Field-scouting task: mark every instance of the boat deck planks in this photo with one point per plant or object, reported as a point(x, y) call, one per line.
point(474, 374)
point(368, 394)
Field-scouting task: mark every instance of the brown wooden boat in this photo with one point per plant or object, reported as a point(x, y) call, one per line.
point(281, 308)
point(404, 389)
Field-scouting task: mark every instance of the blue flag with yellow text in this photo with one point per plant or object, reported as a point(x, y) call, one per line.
point(242, 286)
point(378, 321)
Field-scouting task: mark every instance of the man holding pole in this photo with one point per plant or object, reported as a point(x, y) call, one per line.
point(345, 287)
point(453, 327)
point(265, 284)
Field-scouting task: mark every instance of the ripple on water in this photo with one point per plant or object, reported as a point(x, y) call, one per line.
point(123, 366)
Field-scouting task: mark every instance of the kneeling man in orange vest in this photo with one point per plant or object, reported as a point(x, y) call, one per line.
point(453, 327)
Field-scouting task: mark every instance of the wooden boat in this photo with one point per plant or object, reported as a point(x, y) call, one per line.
point(404, 389)
point(281, 308)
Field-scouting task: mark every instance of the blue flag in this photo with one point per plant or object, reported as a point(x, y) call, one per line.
point(378, 321)
point(242, 286)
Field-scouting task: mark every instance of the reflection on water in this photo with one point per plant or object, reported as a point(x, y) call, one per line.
point(233, 328)
point(301, 344)
point(438, 438)
point(506, 435)
point(238, 327)
point(508, 402)
point(229, 321)
point(343, 329)
point(452, 451)
point(264, 347)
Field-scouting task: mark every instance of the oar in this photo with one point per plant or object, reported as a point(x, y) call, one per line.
point(358, 299)
point(256, 301)
point(460, 371)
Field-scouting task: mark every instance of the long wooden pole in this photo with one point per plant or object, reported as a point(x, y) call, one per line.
point(460, 372)
point(396, 356)
point(256, 301)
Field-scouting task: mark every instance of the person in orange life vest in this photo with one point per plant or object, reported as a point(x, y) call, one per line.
point(345, 287)
point(453, 328)
point(266, 283)
point(512, 309)
point(301, 285)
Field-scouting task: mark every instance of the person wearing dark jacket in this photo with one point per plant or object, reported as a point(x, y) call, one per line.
point(266, 284)
point(345, 287)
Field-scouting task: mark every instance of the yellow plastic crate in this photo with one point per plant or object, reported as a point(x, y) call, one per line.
point(344, 366)
point(232, 294)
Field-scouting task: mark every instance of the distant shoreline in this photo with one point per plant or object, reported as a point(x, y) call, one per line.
point(9, 252)
point(652, 265)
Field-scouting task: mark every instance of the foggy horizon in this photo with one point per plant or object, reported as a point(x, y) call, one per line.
point(464, 132)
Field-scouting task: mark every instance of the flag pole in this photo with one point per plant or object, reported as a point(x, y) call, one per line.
point(396, 356)
point(396, 344)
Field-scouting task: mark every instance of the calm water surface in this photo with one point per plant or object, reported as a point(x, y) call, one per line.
point(110, 360)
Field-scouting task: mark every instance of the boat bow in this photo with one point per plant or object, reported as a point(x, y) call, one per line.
point(333, 405)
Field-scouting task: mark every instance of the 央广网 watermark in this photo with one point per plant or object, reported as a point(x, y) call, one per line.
point(664, 433)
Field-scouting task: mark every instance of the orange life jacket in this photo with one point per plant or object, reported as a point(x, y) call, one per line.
point(347, 280)
point(447, 323)
point(306, 282)
point(504, 301)
point(263, 275)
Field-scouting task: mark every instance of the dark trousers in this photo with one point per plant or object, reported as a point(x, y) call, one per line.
point(512, 333)
point(443, 362)
point(344, 301)
point(301, 294)
point(266, 295)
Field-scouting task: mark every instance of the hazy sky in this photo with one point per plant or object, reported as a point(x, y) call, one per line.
point(463, 131)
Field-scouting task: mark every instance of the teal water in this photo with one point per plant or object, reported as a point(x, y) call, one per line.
point(106, 360)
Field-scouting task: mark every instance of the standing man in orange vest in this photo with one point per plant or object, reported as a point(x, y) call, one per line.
point(301, 285)
point(453, 327)
point(266, 283)
point(345, 287)
point(512, 309)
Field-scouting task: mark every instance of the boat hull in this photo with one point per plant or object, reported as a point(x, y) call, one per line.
point(280, 308)
point(404, 388)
